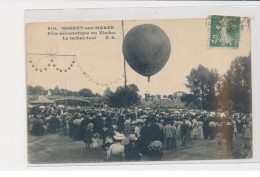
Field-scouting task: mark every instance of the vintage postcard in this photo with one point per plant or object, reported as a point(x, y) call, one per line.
point(139, 90)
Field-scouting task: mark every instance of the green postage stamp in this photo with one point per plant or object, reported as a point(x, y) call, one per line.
point(224, 31)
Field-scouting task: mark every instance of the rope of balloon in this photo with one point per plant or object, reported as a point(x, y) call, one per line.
point(52, 63)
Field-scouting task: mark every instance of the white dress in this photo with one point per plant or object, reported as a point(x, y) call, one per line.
point(195, 131)
point(194, 128)
point(95, 143)
point(235, 126)
point(200, 130)
point(247, 134)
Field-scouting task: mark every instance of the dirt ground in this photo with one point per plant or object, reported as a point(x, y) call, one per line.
point(57, 148)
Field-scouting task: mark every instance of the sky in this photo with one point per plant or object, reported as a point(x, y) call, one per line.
point(102, 59)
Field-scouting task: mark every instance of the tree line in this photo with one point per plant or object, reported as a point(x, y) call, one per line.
point(39, 90)
point(122, 97)
point(229, 92)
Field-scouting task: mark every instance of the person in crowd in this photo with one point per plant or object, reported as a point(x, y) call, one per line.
point(161, 124)
point(131, 150)
point(37, 128)
point(108, 122)
point(83, 125)
point(98, 123)
point(127, 128)
point(155, 130)
point(45, 128)
point(95, 141)
point(228, 134)
point(88, 135)
point(239, 125)
point(200, 130)
point(206, 127)
point(145, 137)
point(121, 124)
point(108, 142)
point(189, 132)
point(77, 129)
point(184, 133)
point(71, 127)
point(174, 135)
point(195, 131)
point(137, 129)
point(105, 133)
point(169, 135)
point(65, 125)
point(219, 135)
point(54, 124)
point(235, 127)
point(116, 152)
point(155, 152)
point(178, 130)
point(212, 129)
point(247, 134)
point(246, 151)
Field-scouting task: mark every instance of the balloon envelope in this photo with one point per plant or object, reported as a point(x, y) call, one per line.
point(146, 49)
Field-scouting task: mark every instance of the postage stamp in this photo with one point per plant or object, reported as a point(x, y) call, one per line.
point(224, 31)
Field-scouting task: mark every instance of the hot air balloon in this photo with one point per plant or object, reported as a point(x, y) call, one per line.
point(146, 49)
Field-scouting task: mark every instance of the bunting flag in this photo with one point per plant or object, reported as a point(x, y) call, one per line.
point(102, 84)
point(54, 65)
point(38, 69)
point(69, 67)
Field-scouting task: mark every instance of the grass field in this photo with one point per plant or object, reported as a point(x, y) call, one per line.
point(56, 148)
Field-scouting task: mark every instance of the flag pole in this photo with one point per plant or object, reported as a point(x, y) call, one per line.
point(124, 57)
point(125, 100)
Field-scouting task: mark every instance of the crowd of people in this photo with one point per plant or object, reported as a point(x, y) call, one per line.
point(129, 134)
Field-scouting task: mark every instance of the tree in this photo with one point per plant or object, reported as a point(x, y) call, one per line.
point(37, 90)
point(72, 93)
point(202, 83)
point(236, 90)
point(107, 95)
point(189, 100)
point(85, 92)
point(123, 96)
point(64, 92)
point(55, 91)
point(170, 97)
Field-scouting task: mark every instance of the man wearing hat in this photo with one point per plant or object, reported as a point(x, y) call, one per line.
point(98, 123)
point(131, 149)
point(157, 134)
point(155, 151)
point(184, 133)
point(228, 133)
point(145, 137)
point(212, 129)
point(169, 135)
point(121, 124)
